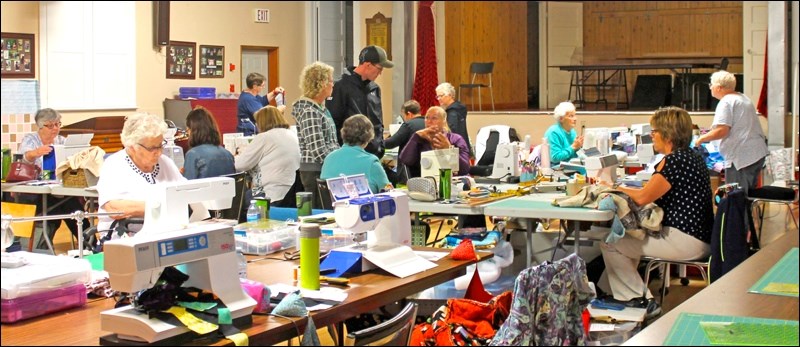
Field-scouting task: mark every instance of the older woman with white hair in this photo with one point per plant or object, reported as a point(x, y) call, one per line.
point(125, 175)
point(562, 137)
point(456, 111)
point(37, 148)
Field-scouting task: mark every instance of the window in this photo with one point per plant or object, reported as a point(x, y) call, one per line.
point(88, 55)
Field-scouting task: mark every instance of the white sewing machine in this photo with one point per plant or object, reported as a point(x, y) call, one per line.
point(381, 226)
point(506, 160)
point(205, 252)
point(166, 209)
point(431, 161)
point(602, 167)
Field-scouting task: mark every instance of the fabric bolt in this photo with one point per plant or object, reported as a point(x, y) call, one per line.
point(352, 160)
point(207, 160)
point(560, 143)
point(548, 305)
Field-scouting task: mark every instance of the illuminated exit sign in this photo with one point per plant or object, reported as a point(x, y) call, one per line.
point(262, 15)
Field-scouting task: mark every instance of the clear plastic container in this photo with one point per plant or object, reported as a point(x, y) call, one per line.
point(264, 237)
point(42, 273)
point(41, 303)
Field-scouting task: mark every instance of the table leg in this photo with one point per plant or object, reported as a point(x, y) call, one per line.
point(44, 226)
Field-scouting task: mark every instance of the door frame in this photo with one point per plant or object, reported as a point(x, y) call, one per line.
point(273, 79)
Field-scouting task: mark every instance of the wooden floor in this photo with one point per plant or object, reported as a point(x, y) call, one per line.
point(775, 223)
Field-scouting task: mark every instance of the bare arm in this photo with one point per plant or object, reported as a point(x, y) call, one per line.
point(129, 208)
point(654, 189)
point(719, 132)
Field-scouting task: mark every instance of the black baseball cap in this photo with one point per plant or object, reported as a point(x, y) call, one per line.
point(375, 55)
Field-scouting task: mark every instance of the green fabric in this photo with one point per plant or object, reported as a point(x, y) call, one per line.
point(96, 260)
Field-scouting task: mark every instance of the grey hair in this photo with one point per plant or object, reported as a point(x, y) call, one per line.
point(446, 88)
point(562, 109)
point(357, 130)
point(724, 79)
point(141, 125)
point(46, 115)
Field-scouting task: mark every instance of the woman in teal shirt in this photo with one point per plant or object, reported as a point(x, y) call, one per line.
point(562, 137)
point(352, 159)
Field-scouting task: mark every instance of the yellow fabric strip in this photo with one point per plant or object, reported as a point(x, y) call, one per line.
point(239, 339)
point(193, 323)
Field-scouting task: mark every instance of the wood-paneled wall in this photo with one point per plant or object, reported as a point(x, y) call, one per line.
point(662, 31)
point(482, 31)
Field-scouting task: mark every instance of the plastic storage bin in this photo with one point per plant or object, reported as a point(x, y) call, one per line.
point(42, 273)
point(41, 303)
point(264, 237)
point(197, 92)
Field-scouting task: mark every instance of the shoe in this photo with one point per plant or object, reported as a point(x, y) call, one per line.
point(653, 310)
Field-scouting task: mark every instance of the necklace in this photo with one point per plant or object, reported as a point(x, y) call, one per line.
point(150, 177)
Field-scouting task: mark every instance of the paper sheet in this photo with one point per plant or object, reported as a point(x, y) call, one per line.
point(397, 260)
point(431, 255)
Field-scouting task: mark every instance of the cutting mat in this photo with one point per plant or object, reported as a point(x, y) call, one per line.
point(782, 275)
point(687, 331)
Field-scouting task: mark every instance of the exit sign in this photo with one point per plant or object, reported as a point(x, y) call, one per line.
point(262, 15)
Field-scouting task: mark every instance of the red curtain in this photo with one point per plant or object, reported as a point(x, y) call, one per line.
point(425, 77)
point(761, 107)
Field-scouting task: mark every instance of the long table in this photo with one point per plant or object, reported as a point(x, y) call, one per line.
point(367, 291)
point(50, 189)
point(729, 295)
point(614, 76)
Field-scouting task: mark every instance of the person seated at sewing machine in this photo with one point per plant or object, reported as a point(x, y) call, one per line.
point(351, 158)
point(562, 137)
point(205, 158)
point(436, 135)
point(35, 148)
point(681, 187)
point(126, 175)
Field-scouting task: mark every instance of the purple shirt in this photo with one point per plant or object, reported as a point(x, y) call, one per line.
point(410, 155)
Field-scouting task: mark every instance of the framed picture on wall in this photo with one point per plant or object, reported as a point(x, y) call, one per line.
point(212, 59)
point(17, 56)
point(181, 58)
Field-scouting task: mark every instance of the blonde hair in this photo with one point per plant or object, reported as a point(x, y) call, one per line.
point(674, 124)
point(270, 117)
point(314, 78)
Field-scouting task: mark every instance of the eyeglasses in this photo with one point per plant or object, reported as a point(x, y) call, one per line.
point(653, 131)
point(440, 96)
point(154, 149)
point(432, 118)
point(380, 68)
point(52, 125)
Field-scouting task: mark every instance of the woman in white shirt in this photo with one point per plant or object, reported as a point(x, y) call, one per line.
point(127, 174)
point(273, 157)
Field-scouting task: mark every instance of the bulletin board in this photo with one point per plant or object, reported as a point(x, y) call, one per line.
point(181, 60)
point(212, 59)
point(18, 56)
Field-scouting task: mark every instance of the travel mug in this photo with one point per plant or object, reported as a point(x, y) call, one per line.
point(263, 205)
point(445, 176)
point(303, 203)
point(309, 256)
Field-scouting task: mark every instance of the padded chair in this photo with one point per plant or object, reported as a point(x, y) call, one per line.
point(238, 205)
point(788, 195)
point(394, 332)
point(480, 72)
point(489, 137)
point(324, 194)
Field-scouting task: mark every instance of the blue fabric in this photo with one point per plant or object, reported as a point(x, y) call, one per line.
point(49, 162)
point(560, 143)
point(208, 161)
point(617, 229)
point(352, 160)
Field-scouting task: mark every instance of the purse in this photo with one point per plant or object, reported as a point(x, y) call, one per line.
point(422, 188)
point(21, 171)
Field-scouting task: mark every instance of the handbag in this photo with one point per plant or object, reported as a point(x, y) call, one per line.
point(21, 171)
point(422, 188)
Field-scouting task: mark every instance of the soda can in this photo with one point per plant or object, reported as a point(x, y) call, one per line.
point(303, 203)
point(445, 176)
point(263, 205)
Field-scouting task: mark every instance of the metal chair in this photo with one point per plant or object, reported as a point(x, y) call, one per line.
point(696, 90)
point(394, 332)
point(653, 263)
point(485, 71)
point(778, 166)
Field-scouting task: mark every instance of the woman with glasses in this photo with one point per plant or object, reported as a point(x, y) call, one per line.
point(436, 135)
point(251, 101)
point(37, 148)
point(126, 175)
point(205, 158)
point(681, 187)
point(563, 139)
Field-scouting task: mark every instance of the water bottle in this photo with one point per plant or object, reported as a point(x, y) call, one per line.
point(253, 212)
point(242, 262)
point(309, 256)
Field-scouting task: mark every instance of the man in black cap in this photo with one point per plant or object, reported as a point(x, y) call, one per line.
point(357, 93)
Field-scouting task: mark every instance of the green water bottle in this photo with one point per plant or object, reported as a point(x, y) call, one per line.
point(309, 256)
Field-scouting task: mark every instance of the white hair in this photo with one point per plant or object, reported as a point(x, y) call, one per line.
point(447, 89)
point(724, 79)
point(562, 109)
point(141, 125)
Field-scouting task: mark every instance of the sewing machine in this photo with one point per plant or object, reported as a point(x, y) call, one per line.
point(166, 209)
point(381, 227)
point(205, 252)
point(602, 167)
point(506, 161)
point(431, 161)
